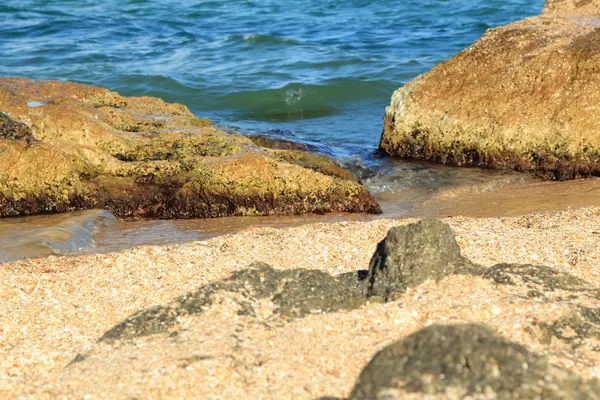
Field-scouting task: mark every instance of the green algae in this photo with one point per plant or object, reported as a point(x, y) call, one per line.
point(10, 129)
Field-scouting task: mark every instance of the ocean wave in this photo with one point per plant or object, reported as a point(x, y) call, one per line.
point(258, 39)
point(302, 101)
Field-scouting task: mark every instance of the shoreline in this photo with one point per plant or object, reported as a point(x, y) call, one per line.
point(67, 302)
point(496, 198)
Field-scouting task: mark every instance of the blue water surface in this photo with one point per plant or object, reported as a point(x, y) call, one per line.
point(317, 71)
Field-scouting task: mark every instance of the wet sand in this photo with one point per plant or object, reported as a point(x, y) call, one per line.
point(512, 199)
point(96, 231)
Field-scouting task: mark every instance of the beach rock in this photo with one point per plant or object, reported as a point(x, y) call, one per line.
point(88, 147)
point(459, 361)
point(536, 277)
point(412, 254)
point(293, 294)
point(524, 96)
point(575, 329)
point(547, 284)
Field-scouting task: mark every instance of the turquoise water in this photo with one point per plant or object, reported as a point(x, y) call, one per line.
point(316, 71)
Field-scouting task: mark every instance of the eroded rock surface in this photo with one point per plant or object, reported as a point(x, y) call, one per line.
point(580, 326)
point(10, 129)
point(86, 147)
point(571, 8)
point(524, 96)
point(454, 361)
point(536, 277)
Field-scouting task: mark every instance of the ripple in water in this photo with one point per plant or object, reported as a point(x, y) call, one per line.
point(45, 235)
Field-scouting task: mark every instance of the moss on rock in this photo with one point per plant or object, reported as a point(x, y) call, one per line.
point(10, 129)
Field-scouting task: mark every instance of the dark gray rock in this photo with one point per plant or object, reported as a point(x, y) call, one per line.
point(295, 293)
point(574, 328)
point(406, 258)
point(537, 277)
point(412, 254)
point(463, 360)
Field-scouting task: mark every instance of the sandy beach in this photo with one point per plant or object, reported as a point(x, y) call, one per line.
point(56, 308)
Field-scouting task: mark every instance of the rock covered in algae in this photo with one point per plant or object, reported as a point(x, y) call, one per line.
point(411, 254)
point(88, 147)
point(10, 129)
point(524, 96)
point(465, 361)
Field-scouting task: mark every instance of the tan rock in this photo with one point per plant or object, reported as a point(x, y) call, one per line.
point(523, 96)
point(565, 8)
point(66, 146)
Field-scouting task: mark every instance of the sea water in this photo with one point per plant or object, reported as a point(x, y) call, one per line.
point(318, 72)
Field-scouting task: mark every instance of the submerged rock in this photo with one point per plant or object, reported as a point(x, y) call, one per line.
point(412, 254)
point(524, 96)
point(456, 361)
point(294, 294)
point(88, 147)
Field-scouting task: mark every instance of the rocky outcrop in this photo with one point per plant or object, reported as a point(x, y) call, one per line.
point(66, 146)
point(405, 259)
point(459, 361)
point(524, 96)
point(571, 8)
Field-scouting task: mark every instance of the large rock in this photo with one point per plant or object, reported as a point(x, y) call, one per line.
point(409, 255)
point(524, 96)
point(465, 361)
point(66, 146)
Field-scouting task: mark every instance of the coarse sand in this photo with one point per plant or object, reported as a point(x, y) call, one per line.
point(54, 309)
